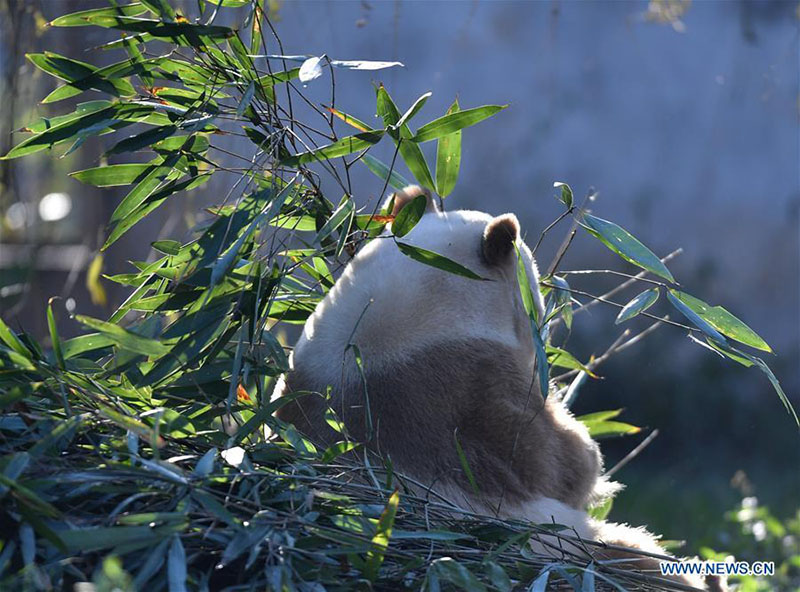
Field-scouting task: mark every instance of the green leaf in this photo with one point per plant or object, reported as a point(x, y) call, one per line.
point(336, 450)
point(113, 175)
point(382, 171)
point(566, 193)
point(625, 245)
point(599, 416)
point(413, 110)
point(187, 34)
point(777, 386)
point(380, 542)
point(436, 260)
point(84, 108)
point(465, 464)
point(247, 97)
point(123, 338)
point(458, 575)
point(349, 120)
point(638, 304)
point(694, 318)
point(454, 122)
point(152, 202)
point(168, 247)
point(85, 343)
point(542, 368)
point(498, 576)
point(143, 140)
point(12, 341)
point(59, 133)
point(164, 11)
point(600, 426)
point(408, 217)
point(71, 70)
point(156, 174)
point(723, 321)
point(409, 151)
point(563, 296)
point(448, 158)
point(176, 566)
point(525, 289)
point(344, 211)
point(81, 18)
point(342, 147)
point(602, 510)
point(52, 327)
point(561, 358)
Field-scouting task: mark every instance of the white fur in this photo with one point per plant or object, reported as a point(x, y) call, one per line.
point(426, 306)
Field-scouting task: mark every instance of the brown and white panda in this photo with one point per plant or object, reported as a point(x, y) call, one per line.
point(443, 355)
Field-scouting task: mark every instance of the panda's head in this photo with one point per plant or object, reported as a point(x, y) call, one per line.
point(499, 236)
point(389, 303)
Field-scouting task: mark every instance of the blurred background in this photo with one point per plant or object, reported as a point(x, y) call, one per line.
point(682, 116)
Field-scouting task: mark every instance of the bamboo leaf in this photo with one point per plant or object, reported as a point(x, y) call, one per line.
point(123, 338)
point(380, 542)
point(81, 18)
point(638, 304)
point(694, 318)
point(176, 566)
point(462, 458)
point(458, 575)
point(723, 321)
point(382, 171)
point(113, 175)
point(409, 151)
point(53, 328)
point(566, 193)
point(413, 110)
point(11, 340)
point(336, 450)
point(339, 148)
point(448, 158)
point(436, 260)
point(153, 202)
point(454, 122)
point(625, 245)
point(409, 216)
point(561, 358)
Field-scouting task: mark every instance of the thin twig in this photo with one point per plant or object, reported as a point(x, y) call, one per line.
point(633, 453)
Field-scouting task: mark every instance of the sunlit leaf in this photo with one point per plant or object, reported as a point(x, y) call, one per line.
point(723, 321)
point(123, 338)
point(339, 148)
point(454, 122)
point(448, 158)
point(409, 215)
point(566, 193)
point(563, 359)
point(638, 304)
point(81, 18)
point(694, 318)
point(436, 260)
point(625, 245)
point(382, 171)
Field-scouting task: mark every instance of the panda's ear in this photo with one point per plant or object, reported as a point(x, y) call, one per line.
point(406, 195)
point(499, 237)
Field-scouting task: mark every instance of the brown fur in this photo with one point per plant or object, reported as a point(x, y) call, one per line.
point(499, 238)
point(407, 194)
point(517, 446)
